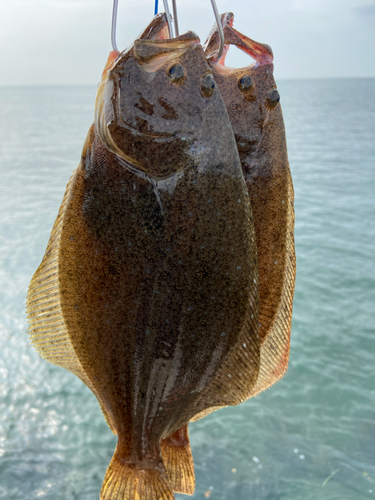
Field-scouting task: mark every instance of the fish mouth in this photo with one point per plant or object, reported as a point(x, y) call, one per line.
point(147, 51)
point(158, 29)
point(260, 52)
point(212, 44)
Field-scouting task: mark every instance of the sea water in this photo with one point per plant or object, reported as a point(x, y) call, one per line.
point(312, 435)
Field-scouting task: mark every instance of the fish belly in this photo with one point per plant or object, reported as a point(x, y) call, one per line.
point(156, 287)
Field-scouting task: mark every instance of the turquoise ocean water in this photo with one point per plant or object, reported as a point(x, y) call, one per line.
point(319, 421)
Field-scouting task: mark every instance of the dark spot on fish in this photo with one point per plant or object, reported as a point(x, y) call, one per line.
point(171, 113)
point(177, 73)
point(146, 107)
point(260, 121)
point(112, 270)
point(246, 84)
point(273, 98)
point(195, 111)
point(208, 85)
point(143, 126)
point(246, 147)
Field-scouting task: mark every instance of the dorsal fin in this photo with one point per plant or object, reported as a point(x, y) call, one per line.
point(274, 352)
point(47, 329)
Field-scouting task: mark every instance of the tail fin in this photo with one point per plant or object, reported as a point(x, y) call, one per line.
point(178, 461)
point(124, 482)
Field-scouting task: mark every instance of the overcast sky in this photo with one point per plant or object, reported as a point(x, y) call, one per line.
point(44, 42)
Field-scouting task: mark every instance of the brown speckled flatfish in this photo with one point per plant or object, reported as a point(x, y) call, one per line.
point(148, 290)
point(252, 101)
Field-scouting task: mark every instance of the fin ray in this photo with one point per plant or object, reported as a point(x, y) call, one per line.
point(125, 482)
point(178, 461)
point(47, 330)
point(276, 345)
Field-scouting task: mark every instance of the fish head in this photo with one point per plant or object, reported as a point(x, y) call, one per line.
point(151, 102)
point(250, 93)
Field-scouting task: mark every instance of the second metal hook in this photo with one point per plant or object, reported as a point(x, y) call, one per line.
point(219, 28)
point(175, 19)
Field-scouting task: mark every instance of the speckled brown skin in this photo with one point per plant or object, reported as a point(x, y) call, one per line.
point(257, 121)
point(149, 287)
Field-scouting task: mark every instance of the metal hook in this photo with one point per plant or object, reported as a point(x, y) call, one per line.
point(217, 17)
point(114, 22)
point(175, 17)
point(219, 28)
point(113, 28)
point(169, 20)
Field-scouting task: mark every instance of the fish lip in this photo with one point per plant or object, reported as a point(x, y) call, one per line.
point(260, 52)
point(184, 42)
point(146, 50)
point(227, 19)
point(158, 24)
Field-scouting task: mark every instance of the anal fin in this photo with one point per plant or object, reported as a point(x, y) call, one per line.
point(178, 461)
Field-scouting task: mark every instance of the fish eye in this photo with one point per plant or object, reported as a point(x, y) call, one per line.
point(273, 98)
point(208, 85)
point(246, 83)
point(176, 73)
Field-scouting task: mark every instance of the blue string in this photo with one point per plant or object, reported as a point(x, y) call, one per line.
point(156, 6)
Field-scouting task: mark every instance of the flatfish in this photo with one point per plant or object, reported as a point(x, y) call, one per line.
point(252, 101)
point(148, 290)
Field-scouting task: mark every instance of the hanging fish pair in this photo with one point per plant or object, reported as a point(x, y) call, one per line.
point(168, 279)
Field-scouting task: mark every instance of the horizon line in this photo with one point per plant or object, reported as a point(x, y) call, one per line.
point(21, 85)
